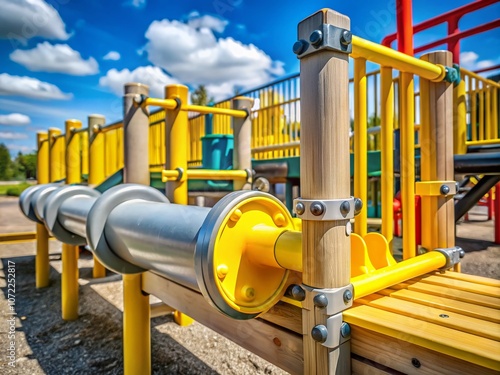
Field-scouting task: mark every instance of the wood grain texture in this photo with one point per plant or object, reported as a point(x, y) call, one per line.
point(470, 278)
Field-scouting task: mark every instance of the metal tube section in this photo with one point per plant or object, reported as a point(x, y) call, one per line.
point(73, 214)
point(160, 237)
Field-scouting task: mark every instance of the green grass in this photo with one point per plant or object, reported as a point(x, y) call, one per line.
point(13, 190)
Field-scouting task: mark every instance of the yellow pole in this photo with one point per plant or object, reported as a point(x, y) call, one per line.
point(459, 119)
point(473, 110)
point(494, 109)
point(387, 154)
point(407, 165)
point(360, 145)
point(136, 310)
point(111, 152)
point(84, 141)
point(481, 109)
point(488, 111)
point(55, 161)
point(96, 168)
point(42, 266)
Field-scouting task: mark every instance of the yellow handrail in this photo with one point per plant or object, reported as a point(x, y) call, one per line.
point(205, 174)
point(214, 110)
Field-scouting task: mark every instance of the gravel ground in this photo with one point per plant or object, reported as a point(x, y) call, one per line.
point(93, 344)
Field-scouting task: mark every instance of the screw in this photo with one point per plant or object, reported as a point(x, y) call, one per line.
point(248, 293)
point(445, 189)
point(300, 208)
point(320, 300)
point(138, 99)
point(345, 207)
point(222, 271)
point(299, 46)
point(461, 253)
point(346, 37)
point(279, 219)
point(236, 215)
point(444, 316)
point(345, 330)
point(316, 38)
point(319, 333)
point(358, 205)
point(416, 363)
point(96, 128)
point(347, 296)
point(317, 208)
point(297, 293)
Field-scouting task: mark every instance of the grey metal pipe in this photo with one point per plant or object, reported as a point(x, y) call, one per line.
point(158, 237)
point(73, 212)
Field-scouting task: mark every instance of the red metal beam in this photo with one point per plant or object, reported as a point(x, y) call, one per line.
point(405, 26)
point(488, 69)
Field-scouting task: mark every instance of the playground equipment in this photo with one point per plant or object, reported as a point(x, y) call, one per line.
point(303, 306)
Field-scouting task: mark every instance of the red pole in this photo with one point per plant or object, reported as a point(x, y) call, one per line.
point(497, 213)
point(404, 26)
point(454, 45)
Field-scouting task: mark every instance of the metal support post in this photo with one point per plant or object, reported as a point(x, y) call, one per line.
point(242, 130)
point(136, 310)
point(96, 168)
point(42, 266)
point(324, 142)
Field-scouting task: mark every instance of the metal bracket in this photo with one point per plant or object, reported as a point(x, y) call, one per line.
point(324, 37)
point(325, 209)
point(452, 254)
point(333, 300)
point(435, 188)
point(452, 74)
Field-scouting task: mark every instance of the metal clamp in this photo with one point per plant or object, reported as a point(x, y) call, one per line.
point(326, 209)
point(333, 334)
point(325, 37)
point(452, 74)
point(333, 300)
point(452, 254)
point(435, 188)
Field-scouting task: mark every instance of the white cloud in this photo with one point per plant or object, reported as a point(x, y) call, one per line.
point(21, 20)
point(15, 119)
point(139, 4)
point(195, 56)
point(24, 149)
point(197, 21)
point(112, 55)
point(469, 60)
point(30, 87)
point(152, 76)
point(11, 135)
point(58, 58)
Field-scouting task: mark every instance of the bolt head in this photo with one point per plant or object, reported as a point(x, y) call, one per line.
point(320, 300)
point(236, 215)
point(222, 271)
point(137, 99)
point(348, 229)
point(298, 293)
point(347, 296)
point(317, 208)
point(461, 253)
point(445, 189)
point(279, 220)
point(319, 333)
point(299, 46)
point(300, 208)
point(346, 37)
point(345, 330)
point(345, 207)
point(316, 38)
point(248, 293)
point(358, 205)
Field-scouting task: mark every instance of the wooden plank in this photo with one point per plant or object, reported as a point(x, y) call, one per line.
point(478, 350)
point(276, 345)
point(285, 315)
point(160, 309)
point(471, 278)
point(459, 295)
point(363, 368)
point(441, 317)
point(397, 353)
point(464, 308)
point(467, 286)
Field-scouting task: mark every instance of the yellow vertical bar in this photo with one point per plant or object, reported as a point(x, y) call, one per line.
point(42, 266)
point(84, 142)
point(473, 109)
point(488, 132)
point(481, 110)
point(54, 155)
point(459, 119)
point(96, 168)
point(360, 145)
point(494, 109)
point(407, 164)
point(386, 149)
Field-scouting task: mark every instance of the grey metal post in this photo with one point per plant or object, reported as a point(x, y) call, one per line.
point(242, 130)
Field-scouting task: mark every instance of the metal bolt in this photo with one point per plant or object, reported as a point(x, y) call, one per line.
point(320, 300)
point(297, 293)
point(300, 208)
point(347, 296)
point(445, 189)
point(299, 46)
point(222, 271)
point(346, 37)
point(358, 205)
point(319, 333)
point(345, 207)
point(444, 316)
point(236, 215)
point(461, 253)
point(279, 219)
point(348, 229)
point(96, 128)
point(317, 208)
point(345, 330)
point(248, 293)
point(138, 99)
point(316, 38)
point(416, 363)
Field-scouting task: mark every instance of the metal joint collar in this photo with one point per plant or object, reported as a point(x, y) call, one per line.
point(324, 37)
point(452, 254)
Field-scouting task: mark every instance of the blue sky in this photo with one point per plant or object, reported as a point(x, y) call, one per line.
point(64, 59)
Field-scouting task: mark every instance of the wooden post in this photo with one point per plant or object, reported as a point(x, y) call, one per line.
point(242, 130)
point(325, 174)
point(437, 156)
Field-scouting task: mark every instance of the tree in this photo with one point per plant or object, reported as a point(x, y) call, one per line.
point(200, 96)
point(27, 164)
point(5, 162)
